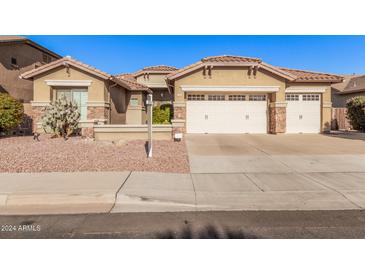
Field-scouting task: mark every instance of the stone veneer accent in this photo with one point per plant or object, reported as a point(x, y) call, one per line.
point(36, 114)
point(178, 123)
point(277, 119)
point(87, 132)
point(97, 113)
point(179, 112)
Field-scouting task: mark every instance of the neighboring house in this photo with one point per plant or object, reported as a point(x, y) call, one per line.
point(235, 94)
point(102, 98)
point(18, 55)
point(154, 77)
point(352, 86)
point(221, 94)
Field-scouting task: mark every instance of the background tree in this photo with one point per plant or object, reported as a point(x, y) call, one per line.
point(11, 112)
point(355, 112)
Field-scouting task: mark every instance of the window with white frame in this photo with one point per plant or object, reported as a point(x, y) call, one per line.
point(310, 97)
point(196, 97)
point(291, 97)
point(237, 97)
point(257, 98)
point(216, 97)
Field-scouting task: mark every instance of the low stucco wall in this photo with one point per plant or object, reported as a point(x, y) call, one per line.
point(131, 132)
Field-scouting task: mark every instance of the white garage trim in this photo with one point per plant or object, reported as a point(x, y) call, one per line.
point(304, 89)
point(68, 83)
point(263, 89)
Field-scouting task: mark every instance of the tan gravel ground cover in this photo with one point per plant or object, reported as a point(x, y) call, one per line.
point(23, 154)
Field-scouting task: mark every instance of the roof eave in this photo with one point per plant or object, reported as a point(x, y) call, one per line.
point(318, 81)
point(125, 85)
point(139, 73)
point(55, 55)
point(214, 64)
point(31, 74)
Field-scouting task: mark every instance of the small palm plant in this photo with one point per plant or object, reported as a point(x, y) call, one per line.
point(61, 118)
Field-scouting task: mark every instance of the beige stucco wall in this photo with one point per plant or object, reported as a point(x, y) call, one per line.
point(118, 105)
point(125, 132)
point(152, 79)
point(222, 76)
point(27, 58)
point(134, 113)
point(97, 91)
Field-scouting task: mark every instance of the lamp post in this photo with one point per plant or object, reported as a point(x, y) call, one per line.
point(149, 104)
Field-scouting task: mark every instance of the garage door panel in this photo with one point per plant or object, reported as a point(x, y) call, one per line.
point(226, 117)
point(303, 116)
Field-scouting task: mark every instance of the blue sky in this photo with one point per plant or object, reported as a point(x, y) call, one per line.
point(118, 54)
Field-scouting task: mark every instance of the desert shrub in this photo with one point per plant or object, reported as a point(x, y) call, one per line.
point(355, 112)
point(11, 112)
point(162, 114)
point(61, 118)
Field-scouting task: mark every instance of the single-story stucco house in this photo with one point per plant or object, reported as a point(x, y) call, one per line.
point(219, 94)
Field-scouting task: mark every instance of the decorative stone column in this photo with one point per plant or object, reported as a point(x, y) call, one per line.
point(179, 121)
point(277, 117)
point(97, 113)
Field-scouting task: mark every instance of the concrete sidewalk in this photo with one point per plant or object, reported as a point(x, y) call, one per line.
point(57, 193)
point(241, 191)
point(104, 192)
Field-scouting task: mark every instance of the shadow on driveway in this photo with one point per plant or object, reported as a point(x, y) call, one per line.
point(207, 232)
point(347, 135)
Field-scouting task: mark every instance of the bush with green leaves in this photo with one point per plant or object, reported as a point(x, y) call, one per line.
point(355, 112)
point(11, 112)
point(61, 118)
point(162, 114)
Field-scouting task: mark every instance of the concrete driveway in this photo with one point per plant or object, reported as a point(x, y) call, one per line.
point(262, 172)
point(274, 153)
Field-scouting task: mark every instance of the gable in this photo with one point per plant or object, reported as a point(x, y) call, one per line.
point(152, 80)
point(231, 76)
point(64, 73)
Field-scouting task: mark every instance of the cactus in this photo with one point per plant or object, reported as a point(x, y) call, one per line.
point(61, 117)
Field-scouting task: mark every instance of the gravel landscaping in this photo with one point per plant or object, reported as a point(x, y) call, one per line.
point(23, 154)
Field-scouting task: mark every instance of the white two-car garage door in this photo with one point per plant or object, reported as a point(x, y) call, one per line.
point(303, 113)
point(226, 114)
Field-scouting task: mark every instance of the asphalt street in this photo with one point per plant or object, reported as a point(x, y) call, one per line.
point(190, 225)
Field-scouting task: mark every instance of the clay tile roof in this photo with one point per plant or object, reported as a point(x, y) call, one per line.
point(155, 69)
point(128, 76)
point(351, 84)
point(310, 76)
point(290, 74)
point(128, 83)
point(230, 59)
point(159, 68)
point(127, 80)
point(215, 59)
point(12, 38)
point(6, 39)
point(62, 62)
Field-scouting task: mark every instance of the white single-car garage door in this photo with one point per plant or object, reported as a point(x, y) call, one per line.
point(303, 113)
point(226, 114)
